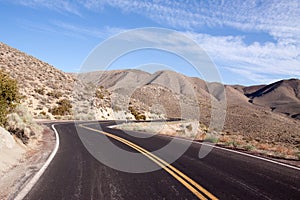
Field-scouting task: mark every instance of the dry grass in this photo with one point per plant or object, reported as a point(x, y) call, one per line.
point(278, 150)
point(239, 142)
point(21, 124)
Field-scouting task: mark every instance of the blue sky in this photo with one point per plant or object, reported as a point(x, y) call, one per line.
point(250, 42)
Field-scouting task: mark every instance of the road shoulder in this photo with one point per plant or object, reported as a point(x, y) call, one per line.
point(20, 174)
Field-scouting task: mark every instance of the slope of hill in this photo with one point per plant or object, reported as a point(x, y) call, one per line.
point(167, 90)
point(41, 84)
point(49, 93)
point(130, 94)
point(115, 79)
point(282, 96)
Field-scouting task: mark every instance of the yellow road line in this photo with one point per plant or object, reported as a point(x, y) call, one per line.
point(188, 182)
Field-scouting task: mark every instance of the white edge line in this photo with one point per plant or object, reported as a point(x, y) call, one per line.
point(36, 177)
point(230, 150)
point(241, 153)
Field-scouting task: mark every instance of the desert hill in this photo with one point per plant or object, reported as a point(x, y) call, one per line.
point(167, 90)
point(282, 96)
point(41, 84)
point(252, 112)
point(49, 93)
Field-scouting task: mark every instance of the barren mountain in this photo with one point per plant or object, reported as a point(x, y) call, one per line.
point(252, 112)
point(175, 94)
point(282, 96)
point(115, 79)
point(50, 93)
point(41, 84)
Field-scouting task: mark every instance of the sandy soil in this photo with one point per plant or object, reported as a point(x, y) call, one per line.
point(14, 178)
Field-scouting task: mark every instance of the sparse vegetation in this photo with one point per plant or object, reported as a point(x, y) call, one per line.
point(247, 126)
point(212, 139)
point(55, 94)
point(64, 108)
point(136, 114)
point(9, 96)
point(248, 147)
point(231, 144)
point(99, 94)
point(40, 91)
point(43, 113)
point(21, 124)
point(189, 127)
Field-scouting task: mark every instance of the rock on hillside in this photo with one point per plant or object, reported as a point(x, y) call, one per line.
point(10, 151)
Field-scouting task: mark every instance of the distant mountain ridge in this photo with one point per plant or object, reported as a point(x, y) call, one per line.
point(282, 96)
point(268, 112)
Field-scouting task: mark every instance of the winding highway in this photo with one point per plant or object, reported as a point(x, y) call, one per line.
point(75, 173)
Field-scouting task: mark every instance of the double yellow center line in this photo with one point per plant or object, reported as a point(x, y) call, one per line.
point(190, 184)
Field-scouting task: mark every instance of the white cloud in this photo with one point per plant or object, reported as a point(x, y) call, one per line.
point(71, 30)
point(260, 61)
point(279, 19)
point(62, 6)
point(103, 33)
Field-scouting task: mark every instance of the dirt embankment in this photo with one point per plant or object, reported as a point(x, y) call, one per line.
point(20, 162)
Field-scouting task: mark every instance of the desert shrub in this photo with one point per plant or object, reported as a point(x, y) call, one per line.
point(55, 94)
point(21, 124)
point(40, 91)
point(9, 96)
point(248, 147)
point(140, 117)
point(189, 127)
point(64, 108)
point(99, 94)
point(212, 139)
point(116, 108)
point(203, 127)
point(180, 131)
point(136, 114)
point(231, 144)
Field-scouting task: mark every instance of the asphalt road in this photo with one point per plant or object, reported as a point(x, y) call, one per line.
point(75, 174)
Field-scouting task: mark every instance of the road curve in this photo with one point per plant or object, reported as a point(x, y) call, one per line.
point(75, 174)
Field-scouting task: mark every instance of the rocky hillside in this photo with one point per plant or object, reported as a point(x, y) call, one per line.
point(49, 93)
point(41, 85)
point(250, 112)
point(267, 112)
point(282, 96)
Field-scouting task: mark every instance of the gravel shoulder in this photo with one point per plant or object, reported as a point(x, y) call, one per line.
point(32, 158)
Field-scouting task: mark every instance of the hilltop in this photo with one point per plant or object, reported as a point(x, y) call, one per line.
point(263, 112)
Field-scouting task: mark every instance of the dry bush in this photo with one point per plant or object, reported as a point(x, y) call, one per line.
point(263, 146)
point(9, 96)
point(211, 138)
point(136, 114)
point(64, 108)
point(40, 91)
point(21, 124)
point(99, 94)
point(55, 94)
